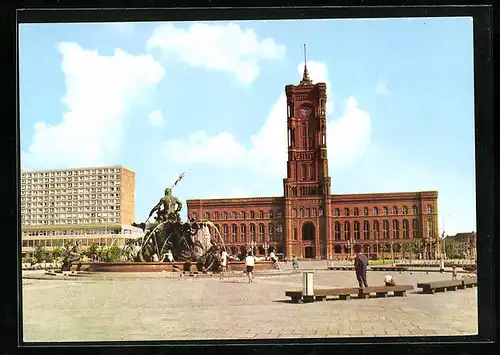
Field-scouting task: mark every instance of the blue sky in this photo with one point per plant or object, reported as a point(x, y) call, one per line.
point(208, 99)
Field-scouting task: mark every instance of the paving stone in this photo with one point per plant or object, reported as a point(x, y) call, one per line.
point(143, 307)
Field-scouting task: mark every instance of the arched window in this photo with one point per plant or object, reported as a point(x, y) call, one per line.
point(320, 212)
point(194, 215)
point(207, 216)
point(395, 229)
point(262, 231)
point(308, 212)
point(376, 229)
point(225, 232)
point(294, 212)
point(337, 230)
point(365, 211)
point(304, 171)
point(356, 230)
point(301, 212)
point(385, 229)
point(346, 212)
point(270, 214)
point(405, 210)
point(414, 228)
point(216, 215)
point(243, 232)
point(270, 232)
point(252, 215)
point(337, 212)
point(430, 228)
point(406, 232)
point(225, 215)
point(252, 232)
point(233, 215)
point(375, 211)
point(315, 212)
point(304, 136)
point(243, 215)
point(414, 210)
point(429, 209)
point(295, 234)
point(347, 231)
point(386, 211)
point(394, 210)
point(234, 233)
point(366, 230)
point(356, 211)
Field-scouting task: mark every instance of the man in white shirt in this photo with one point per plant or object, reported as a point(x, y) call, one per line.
point(274, 259)
point(249, 264)
point(224, 261)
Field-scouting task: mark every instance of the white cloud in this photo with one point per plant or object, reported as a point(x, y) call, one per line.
point(99, 92)
point(222, 47)
point(156, 118)
point(381, 87)
point(220, 150)
point(347, 139)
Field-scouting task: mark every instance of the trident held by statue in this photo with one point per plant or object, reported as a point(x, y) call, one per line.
point(178, 179)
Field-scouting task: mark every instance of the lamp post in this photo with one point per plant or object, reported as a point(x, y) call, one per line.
point(392, 252)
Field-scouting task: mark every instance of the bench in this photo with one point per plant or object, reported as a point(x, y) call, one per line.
point(340, 267)
point(321, 294)
point(442, 286)
point(468, 282)
point(382, 291)
point(388, 268)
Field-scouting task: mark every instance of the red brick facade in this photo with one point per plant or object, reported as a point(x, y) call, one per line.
point(310, 222)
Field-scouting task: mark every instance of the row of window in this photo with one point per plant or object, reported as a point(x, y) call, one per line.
point(374, 230)
point(239, 215)
point(385, 211)
point(70, 215)
point(71, 232)
point(69, 209)
point(252, 232)
point(40, 174)
point(307, 212)
point(69, 182)
point(69, 221)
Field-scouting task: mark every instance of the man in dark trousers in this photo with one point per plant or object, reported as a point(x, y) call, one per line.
point(360, 264)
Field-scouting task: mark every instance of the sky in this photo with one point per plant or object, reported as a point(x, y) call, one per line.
point(207, 99)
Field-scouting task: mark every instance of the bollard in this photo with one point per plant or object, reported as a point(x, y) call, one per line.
point(308, 286)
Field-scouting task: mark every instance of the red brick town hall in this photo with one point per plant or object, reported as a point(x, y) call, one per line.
point(308, 220)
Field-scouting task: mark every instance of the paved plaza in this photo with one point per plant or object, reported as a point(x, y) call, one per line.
point(164, 306)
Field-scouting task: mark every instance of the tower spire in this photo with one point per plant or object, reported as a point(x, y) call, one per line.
point(305, 77)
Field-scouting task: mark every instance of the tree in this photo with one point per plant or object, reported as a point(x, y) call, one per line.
point(92, 251)
point(40, 254)
point(452, 249)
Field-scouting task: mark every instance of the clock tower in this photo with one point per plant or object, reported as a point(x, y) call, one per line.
point(307, 183)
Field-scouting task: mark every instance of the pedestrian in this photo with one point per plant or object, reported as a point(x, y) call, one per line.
point(389, 280)
point(274, 259)
point(454, 272)
point(249, 265)
point(360, 265)
point(224, 262)
point(295, 263)
point(441, 266)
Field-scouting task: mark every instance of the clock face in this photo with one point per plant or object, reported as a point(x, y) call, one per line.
point(305, 111)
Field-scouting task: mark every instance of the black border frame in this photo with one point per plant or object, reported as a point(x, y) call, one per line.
point(483, 88)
